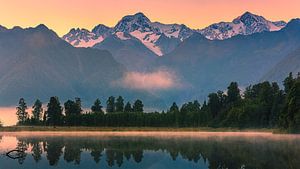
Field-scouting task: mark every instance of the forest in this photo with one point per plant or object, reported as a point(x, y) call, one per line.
point(263, 105)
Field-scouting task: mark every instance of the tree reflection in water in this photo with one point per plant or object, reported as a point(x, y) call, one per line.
point(22, 146)
point(225, 153)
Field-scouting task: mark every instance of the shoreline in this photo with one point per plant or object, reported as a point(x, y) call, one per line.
point(145, 132)
point(250, 136)
point(129, 129)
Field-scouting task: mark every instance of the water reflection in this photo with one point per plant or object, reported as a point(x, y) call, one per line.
point(115, 151)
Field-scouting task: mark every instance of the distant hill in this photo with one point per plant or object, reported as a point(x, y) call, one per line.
point(290, 63)
point(129, 51)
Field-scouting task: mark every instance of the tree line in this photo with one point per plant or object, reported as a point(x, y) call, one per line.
point(263, 105)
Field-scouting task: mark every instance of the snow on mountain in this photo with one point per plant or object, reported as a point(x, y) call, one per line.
point(134, 22)
point(163, 38)
point(122, 36)
point(173, 30)
point(140, 27)
point(82, 38)
point(137, 26)
point(85, 38)
point(245, 24)
point(149, 39)
point(149, 33)
point(102, 30)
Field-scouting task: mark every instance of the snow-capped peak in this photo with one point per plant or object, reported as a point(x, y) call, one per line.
point(82, 38)
point(134, 22)
point(248, 17)
point(173, 30)
point(246, 24)
point(101, 30)
point(137, 26)
point(149, 33)
point(163, 38)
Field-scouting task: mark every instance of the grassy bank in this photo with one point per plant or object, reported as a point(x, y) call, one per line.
point(74, 129)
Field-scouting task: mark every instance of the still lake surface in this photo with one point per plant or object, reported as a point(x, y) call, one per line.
point(149, 150)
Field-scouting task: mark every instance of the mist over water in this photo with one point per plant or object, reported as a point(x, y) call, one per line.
point(153, 150)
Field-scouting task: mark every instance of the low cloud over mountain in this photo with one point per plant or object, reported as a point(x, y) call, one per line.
point(150, 81)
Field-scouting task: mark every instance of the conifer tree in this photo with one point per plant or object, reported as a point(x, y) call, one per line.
point(120, 104)
point(54, 112)
point(128, 107)
point(138, 106)
point(22, 113)
point(110, 104)
point(97, 108)
point(37, 110)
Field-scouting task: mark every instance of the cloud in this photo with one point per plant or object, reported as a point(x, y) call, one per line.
point(150, 81)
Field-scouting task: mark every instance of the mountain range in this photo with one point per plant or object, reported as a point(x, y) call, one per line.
point(163, 38)
point(158, 63)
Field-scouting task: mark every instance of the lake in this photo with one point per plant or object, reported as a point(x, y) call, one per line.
point(149, 150)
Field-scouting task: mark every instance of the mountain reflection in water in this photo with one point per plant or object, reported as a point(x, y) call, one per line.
point(116, 151)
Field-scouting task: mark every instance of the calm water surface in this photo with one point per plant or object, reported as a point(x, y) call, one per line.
point(150, 151)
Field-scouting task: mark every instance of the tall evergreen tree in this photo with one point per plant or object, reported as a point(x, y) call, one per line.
point(138, 106)
point(175, 110)
point(110, 104)
point(277, 104)
point(293, 104)
point(128, 107)
point(97, 108)
point(22, 113)
point(72, 111)
point(214, 104)
point(120, 104)
point(233, 93)
point(54, 112)
point(78, 103)
point(72, 108)
point(37, 110)
point(288, 82)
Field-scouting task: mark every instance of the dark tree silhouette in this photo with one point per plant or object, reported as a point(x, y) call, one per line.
point(37, 110)
point(138, 106)
point(110, 105)
point(22, 113)
point(97, 108)
point(54, 112)
point(120, 104)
